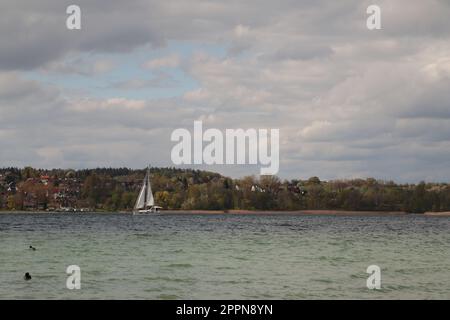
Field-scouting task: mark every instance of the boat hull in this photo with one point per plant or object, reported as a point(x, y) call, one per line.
point(152, 210)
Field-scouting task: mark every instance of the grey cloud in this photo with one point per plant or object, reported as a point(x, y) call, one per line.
point(42, 128)
point(349, 102)
point(37, 33)
point(304, 51)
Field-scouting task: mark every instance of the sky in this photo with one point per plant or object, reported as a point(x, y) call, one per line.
point(349, 102)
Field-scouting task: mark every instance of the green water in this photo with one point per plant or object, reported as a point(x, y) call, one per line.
point(223, 257)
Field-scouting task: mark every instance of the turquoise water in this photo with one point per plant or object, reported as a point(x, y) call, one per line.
point(223, 257)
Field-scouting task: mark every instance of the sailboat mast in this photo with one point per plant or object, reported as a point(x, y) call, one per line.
point(146, 187)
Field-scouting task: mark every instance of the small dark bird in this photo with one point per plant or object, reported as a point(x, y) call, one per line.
point(32, 248)
point(27, 276)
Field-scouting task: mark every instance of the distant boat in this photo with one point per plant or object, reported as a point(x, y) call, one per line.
point(145, 203)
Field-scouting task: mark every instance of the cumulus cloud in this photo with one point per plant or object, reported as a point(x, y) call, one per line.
point(40, 126)
point(349, 102)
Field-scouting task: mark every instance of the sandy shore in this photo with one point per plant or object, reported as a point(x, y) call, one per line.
point(438, 214)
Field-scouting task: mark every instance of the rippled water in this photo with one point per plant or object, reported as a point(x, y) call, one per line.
point(223, 256)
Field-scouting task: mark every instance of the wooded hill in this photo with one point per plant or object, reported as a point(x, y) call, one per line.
point(117, 188)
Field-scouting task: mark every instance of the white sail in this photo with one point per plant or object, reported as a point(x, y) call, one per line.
point(150, 200)
point(145, 202)
point(140, 202)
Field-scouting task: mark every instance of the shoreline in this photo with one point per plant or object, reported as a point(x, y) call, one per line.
point(295, 212)
point(255, 212)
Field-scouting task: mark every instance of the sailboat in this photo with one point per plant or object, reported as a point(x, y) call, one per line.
point(145, 202)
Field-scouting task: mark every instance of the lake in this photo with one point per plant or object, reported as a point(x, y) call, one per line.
point(224, 256)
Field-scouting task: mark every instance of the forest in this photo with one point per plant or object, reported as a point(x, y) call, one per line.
point(116, 189)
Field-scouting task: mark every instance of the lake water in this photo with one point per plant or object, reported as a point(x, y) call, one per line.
point(223, 256)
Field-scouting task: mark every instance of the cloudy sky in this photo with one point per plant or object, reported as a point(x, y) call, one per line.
point(349, 102)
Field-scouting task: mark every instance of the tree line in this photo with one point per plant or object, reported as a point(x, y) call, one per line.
point(116, 189)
